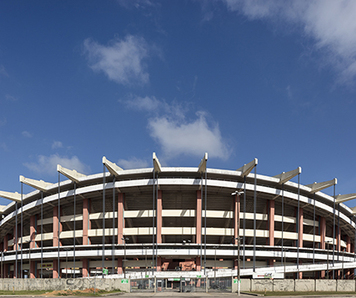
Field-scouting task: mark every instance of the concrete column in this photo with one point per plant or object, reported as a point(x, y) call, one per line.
point(33, 269)
point(55, 269)
point(300, 228)
point(159, 218)
point(56, 240)
point(271, 211)
point(33, 231)
point(6, 270)
point(16, 245)
point(198, 219)
point(348, 244)
point(236, 217)
point(159, 263)
point(86, 222)
point(119, 266)
point(197, 262)
point(120, 219)
point(85, 268)
point(322, 232)
point(338, 238)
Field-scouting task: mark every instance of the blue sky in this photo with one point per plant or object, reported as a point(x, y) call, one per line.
point(273, 80)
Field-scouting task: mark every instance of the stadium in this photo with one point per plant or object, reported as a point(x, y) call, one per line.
point(160, 220)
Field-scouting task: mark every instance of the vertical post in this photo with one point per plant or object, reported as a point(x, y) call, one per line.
point(282, 226)
point(21, 274)
point(244, 225)
point(254, 222)
point(59, 226)
point(334, 231)
point(103, 238)
point(314, 231)
point(41, 234)
point(74, 211)
point(113, 227)
point(159, 217)
point(298, 225)
point(153, 219)
point(205, 207)
point(16, 242)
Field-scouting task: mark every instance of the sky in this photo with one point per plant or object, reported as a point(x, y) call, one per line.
point(273, 80)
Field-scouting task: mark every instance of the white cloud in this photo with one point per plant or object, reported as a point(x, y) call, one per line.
point(48, 164)
point(57, 144)
point(121, 60)
point(133, 163)
point(177, 135)
point(188, 137)
point(139, 4)
point(331, 25)
point(146, 103)
point(3, 122)
point(26, 134)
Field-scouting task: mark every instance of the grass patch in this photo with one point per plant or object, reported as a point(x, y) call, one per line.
point(304, 293)
point(84, 293)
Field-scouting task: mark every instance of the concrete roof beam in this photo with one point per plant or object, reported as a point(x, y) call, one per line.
point(70, 174)
point(38, 184)
point(13, 196)
point(315, 187)
point(286, 176)
point(247, 168)
point(344, 198)
point(2, 208)
point(156, 164)
point(202, 164)
point(112, 167)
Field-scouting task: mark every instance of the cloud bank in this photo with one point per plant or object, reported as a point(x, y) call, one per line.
point(48, 164)
point(122, 60)
point(330, 24)
point(133, 163)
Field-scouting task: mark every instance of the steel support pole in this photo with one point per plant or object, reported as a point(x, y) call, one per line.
point(205, 207)
point(153, 219)
point(103, 238)
point(41, 234)
point(201, 221)
point(21, 231)
point(254, 221)
point(16, 242)
point(298, 223)
point(282, 224)
point(244, 226)
point(156, 220)
point(314, 232)
point(334, 234)
point(113, 226)
point(74, 211)
point(59, 223)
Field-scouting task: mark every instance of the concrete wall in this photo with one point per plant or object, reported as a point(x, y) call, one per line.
point(63, 284)
point(345, 285)
point(283, 285)
point(304, 285)
point(325, 285)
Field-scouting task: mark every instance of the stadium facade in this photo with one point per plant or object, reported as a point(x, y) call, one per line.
point(176, 218)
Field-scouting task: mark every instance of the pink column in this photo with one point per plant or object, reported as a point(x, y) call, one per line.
point(120, 219)
point(197, 262)
point(119, 266)
point(159, 263)
point(198, 219)
point(300, 228)
point(55, 269)
point(85, 268)
point(159, 218)
point(271, 222)
point(56, 240)
point(33, 231)
point(33, 269)
point(86, 222)
point(348, 249)
point(338, 238)
point(300, 236)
